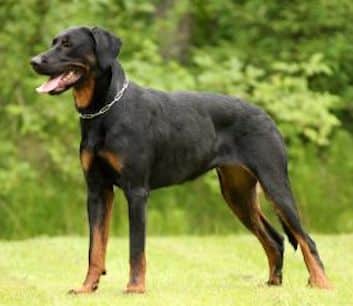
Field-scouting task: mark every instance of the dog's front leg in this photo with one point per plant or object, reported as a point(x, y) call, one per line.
point(137, 200)
point(99, 205)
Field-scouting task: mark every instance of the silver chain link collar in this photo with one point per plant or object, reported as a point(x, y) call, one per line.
point(107, 107)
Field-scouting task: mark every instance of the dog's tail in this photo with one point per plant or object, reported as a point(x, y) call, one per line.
point(289, 234)
point(292, 240)
point(284, 204)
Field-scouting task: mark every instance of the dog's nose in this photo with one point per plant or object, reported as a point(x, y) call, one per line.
point(38, 60)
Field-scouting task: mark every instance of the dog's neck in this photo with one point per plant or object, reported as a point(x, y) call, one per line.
point(99, 89)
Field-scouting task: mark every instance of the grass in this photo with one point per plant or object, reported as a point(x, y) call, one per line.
point(229, 270)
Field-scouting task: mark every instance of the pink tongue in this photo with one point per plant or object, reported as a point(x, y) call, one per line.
point(50, 85)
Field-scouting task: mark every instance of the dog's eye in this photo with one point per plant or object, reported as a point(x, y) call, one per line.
point(66, 44)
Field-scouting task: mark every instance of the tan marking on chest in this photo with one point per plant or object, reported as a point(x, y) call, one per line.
point(113, 160)
point(84, 93)
point(86, 159)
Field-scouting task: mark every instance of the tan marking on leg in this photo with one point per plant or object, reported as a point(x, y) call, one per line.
point(113, 160)
point(236, 180)
point(272, 257)
point(238, 186)
point(109, 196)
point(98, 250)
point(83, 93)
point(96, 264)
point(137, 275)
point(317, 277)
point(86, 160)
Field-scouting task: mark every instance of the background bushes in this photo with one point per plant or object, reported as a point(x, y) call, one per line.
point(293, 58)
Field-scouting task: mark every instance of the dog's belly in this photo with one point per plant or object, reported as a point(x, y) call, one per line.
point(188, 163)
point(178, 169)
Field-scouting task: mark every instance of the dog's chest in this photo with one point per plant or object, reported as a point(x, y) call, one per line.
point(94, 149)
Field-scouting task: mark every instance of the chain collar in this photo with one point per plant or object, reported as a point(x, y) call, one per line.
point(107, 107)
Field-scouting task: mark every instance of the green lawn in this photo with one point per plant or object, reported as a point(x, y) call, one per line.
point(215, 271)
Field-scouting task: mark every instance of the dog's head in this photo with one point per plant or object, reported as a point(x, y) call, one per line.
point(74, 56)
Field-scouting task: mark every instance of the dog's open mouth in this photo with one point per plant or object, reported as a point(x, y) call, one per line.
point(59, 83)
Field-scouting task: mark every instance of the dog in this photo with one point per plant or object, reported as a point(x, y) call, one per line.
point(140, 139)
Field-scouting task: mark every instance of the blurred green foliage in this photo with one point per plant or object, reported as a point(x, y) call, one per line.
point(293, 58)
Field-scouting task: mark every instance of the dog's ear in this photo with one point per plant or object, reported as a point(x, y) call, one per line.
point(107, 47)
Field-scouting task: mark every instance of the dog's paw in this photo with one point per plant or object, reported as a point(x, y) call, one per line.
point(83, 290)
point(320, 283)
point(275, 280)
point(134, 288)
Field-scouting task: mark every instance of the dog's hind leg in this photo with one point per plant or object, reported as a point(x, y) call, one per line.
point(277, 188)
point(238, 187)
point(268, 162)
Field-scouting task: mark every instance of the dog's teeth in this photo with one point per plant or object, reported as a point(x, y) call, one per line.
point(68, 76)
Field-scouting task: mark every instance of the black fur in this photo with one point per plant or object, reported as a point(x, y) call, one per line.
point(164, 138)
point(106, 47)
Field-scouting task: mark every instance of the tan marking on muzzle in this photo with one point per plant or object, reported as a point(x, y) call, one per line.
point(83, 94)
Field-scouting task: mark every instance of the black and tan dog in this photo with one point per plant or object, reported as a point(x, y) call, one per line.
point(141, 139)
